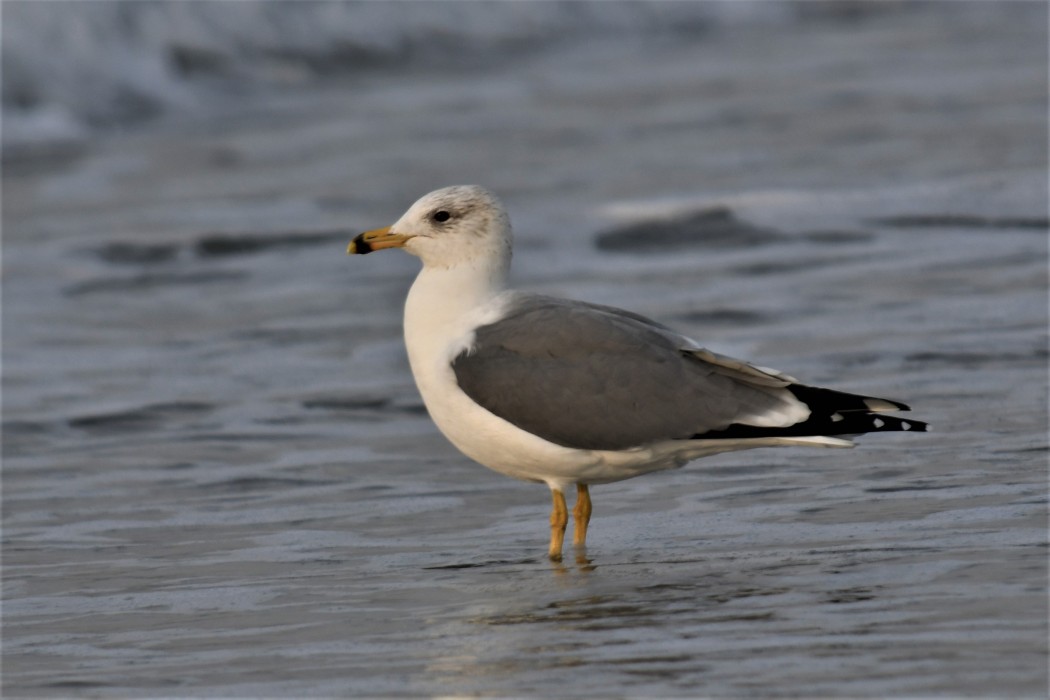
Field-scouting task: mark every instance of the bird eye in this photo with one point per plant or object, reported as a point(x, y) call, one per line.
point(441, 216)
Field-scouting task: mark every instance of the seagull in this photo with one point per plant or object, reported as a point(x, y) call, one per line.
point(569, 393)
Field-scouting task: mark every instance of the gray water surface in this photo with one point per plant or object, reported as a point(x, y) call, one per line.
point(218, 478)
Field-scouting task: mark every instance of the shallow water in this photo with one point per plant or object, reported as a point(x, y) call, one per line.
point(218, 479)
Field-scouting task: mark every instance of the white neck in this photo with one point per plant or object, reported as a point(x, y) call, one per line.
point(444, 301)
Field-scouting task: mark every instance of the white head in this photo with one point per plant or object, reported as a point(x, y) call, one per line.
point(464, 224)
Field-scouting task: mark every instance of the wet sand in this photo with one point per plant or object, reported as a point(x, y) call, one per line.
point(218, 479)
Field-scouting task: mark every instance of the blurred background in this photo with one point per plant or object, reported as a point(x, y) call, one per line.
point(218, 478)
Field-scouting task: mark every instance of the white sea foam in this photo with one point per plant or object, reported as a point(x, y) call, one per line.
point(71, 66)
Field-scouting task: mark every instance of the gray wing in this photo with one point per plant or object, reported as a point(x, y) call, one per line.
point(595, 377)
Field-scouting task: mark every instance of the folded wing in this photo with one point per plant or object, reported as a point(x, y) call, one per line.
point(595, 377)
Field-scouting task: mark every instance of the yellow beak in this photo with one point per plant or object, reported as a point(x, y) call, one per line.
point(375, 240)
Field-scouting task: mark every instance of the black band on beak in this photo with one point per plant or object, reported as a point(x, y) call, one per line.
point(359, 246)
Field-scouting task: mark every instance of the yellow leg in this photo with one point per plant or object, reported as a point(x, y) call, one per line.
point(559, 519)
point(581, 515)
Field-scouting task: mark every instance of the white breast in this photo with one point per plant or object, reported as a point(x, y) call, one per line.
point(441, 313)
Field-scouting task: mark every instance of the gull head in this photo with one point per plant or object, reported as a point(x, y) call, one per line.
point(449, 227)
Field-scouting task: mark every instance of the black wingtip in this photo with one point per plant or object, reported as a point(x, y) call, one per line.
point(881, 423)
point(845, 423)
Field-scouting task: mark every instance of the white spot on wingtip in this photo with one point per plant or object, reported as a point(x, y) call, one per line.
point(878, 422)
point(881, 406)
point(905, 425)
point(836, 417)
